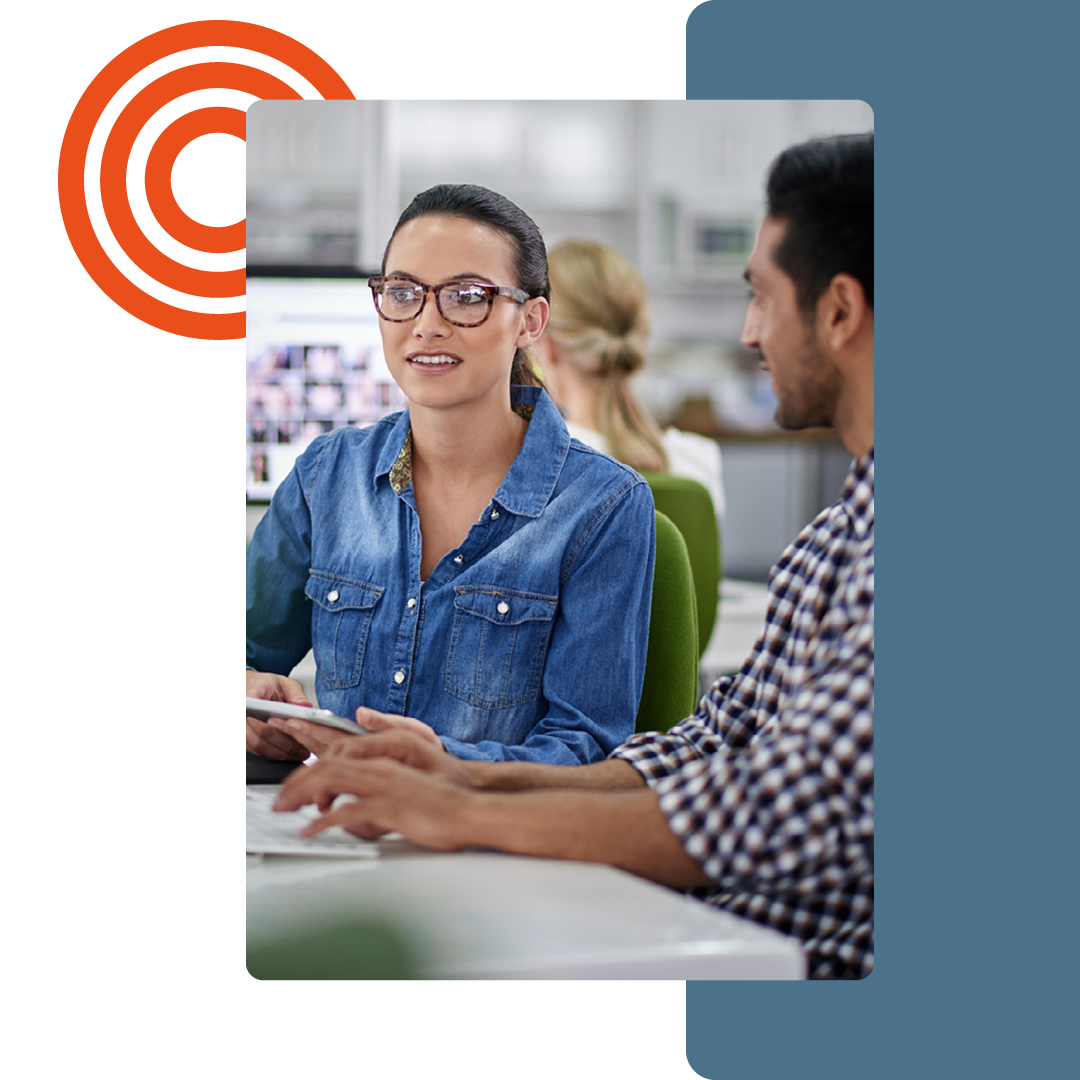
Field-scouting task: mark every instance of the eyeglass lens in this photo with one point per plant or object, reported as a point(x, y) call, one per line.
point(462, 302)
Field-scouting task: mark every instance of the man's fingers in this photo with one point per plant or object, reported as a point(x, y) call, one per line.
point(322, 782)
point(394, 743)
point(317, 738)
point(356, 818)
point(319, 784)
point(376, 721)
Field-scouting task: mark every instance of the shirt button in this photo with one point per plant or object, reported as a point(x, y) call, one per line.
point(412, 603)
point(459, 559)
point(494, 514)
point(332, 595)
point(503, 607)
point(399, 677)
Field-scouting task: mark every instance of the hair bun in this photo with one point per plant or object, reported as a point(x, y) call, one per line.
point(622, 355)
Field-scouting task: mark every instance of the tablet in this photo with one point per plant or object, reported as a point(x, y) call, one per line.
point(263, 710)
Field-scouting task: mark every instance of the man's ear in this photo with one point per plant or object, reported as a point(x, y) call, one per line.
point(842, 312)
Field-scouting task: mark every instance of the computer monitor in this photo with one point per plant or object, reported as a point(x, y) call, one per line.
point(314, 363)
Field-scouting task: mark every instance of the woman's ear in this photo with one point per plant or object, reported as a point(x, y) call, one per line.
point(535, 319)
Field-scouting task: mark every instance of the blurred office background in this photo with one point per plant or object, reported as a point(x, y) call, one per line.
point(677, 186)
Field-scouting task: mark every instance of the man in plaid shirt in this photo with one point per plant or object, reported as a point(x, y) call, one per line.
point(762, 802)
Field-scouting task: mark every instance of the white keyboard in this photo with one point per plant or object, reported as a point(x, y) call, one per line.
point(270, 833)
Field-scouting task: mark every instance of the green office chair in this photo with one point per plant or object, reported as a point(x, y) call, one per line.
point(670, 690)
point(688, 503)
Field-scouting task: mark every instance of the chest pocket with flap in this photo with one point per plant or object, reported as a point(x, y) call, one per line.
point(498, 645)
point(340, 625)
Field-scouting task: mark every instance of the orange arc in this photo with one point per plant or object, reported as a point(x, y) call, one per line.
point(174, 39)
point(193, 77)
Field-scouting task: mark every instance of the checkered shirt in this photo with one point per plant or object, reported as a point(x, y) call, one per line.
point(770, 784)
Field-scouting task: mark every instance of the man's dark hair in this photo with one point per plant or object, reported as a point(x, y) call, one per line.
point(824, 191)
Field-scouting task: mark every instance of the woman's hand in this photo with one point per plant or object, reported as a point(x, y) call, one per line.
point(262, 738)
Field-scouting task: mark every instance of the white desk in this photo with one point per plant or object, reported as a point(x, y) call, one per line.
point(485, 915)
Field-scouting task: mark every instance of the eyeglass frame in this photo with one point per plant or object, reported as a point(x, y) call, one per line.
point(491, 291)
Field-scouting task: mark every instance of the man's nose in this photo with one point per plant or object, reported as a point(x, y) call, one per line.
point(749, 335)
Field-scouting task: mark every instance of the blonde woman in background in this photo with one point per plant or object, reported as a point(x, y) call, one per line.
point(593, 343)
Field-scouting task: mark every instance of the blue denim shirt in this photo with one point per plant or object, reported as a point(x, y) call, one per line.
point(526, 642)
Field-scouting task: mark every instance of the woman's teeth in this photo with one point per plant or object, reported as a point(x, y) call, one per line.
point(435, 360)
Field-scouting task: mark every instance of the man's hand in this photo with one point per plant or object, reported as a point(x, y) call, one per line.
point(262, 739)
point(400, 738)
point(414, 743)
point(623, 828)
point(380, 721)
point(389, 797)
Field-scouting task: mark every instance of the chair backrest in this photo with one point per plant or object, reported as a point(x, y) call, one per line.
point(669, 693)
point(688, 503)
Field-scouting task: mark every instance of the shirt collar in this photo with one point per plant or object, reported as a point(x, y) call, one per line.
point(858, 493)
point(528, 485)
point(530, 482)
point(395, 458)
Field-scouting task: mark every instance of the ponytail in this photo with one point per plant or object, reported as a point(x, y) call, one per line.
point(599, 318)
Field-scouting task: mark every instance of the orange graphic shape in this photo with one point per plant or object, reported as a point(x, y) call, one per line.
point(259, 39)
point(194, 77)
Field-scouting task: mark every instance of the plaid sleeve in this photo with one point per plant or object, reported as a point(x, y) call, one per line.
point(655, 753)
point(793, 811)
point(769, 786)
point(728, 714)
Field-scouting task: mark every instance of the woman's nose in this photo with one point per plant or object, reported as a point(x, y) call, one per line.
point(430, 323)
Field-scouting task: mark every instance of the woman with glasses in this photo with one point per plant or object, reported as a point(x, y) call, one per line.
point(459, 562)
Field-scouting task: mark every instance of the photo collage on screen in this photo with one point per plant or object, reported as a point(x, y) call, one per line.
point(314, 363)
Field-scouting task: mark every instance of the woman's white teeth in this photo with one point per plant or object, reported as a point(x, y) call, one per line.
point(435, 360)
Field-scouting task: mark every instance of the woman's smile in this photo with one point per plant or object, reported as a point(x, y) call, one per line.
point(433, 362)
